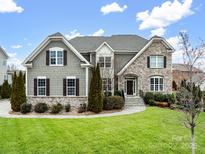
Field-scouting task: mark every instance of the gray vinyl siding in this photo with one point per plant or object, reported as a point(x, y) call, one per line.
point(3, 68)
point(56, 73)
point(120, 60)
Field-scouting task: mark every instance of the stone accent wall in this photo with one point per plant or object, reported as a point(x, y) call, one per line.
point(73, 101)
point(139, 68)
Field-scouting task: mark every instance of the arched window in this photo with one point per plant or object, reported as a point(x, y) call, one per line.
point(156, 83)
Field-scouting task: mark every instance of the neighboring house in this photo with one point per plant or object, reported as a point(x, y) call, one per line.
point(180, 72)
point(60, 69)
point(3, 66)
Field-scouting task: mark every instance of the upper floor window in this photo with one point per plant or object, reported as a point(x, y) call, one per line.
point(156, 61)
point(156, 83)
point(41, 86)
point(105, 62)
point(56, 57)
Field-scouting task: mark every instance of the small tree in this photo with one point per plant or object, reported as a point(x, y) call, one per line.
point(21, 88)
point(95, 98)
point(189, 96)
point(14, 102)
point(5, 90)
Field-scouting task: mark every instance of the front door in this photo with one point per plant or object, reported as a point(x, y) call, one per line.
point(129, 87)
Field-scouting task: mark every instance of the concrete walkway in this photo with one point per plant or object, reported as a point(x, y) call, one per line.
point(5, 108)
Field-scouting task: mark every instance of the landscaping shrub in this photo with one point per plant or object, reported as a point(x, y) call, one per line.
point(162, 104)
point(159, 97)
point(82, 108)
point(108, 103)
point(25, 108)
point(41, 107)
point(5, 90)
point(148, 96)
point(118, 93)
point(113, 102)
point(171, 98)
point(67, 107)
point(152, 102)
point(56, 108)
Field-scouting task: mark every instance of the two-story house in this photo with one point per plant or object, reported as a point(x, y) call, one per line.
point(3, 66)
point(60, 69)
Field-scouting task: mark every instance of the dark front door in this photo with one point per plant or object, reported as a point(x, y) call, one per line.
point(129, 87)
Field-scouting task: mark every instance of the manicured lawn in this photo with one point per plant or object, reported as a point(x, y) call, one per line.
point(152, 131)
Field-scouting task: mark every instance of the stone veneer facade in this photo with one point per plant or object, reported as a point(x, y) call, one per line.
point(73, 101)
point(139, 69)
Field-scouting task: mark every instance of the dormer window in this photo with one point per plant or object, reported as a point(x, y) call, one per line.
point(104, 62)
point(56, 57)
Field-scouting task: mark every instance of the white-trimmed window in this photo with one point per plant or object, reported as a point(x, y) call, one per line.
point(157, 61)
point(41, 86)
point(156, 83)
point(71, 86)
point(56, 57)
point(104, 62)
point(107, 84)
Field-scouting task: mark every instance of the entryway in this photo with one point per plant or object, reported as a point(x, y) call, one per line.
point(131, 87)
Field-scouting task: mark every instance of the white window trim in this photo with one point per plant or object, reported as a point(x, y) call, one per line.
point(70, 77)
point(41, 77)
point(104, 62)
point(56, 49)
point(107, 84)
point(156, 62)
point(158, 77)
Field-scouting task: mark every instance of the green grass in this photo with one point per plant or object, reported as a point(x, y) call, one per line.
point(152, 131)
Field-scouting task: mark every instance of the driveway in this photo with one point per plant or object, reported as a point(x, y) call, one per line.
point(5, 107)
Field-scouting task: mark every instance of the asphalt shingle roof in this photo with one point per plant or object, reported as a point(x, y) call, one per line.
point(120, 43)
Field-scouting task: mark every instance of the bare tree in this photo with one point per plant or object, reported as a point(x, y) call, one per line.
point(190, 96)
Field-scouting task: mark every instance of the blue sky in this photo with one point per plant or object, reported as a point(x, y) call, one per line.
point(24, 24)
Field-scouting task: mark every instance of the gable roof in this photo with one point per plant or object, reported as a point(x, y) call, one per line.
point(57, 35)
point(119, 43)
point(144, 48)
point(4, 52)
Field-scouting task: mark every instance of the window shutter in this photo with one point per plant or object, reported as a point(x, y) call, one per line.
point(77, 87)
point(47, 57)
point(64, 87)
point(148, 62)
point(165, 61)
point(47, 87)
point(65, 57)
point(35, 87)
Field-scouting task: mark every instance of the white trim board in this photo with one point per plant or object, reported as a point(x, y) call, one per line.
point(143, 49)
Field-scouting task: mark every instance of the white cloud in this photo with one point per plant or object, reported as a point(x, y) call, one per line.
point(113, 7)
point(16, 46)
point(158, 32)
point(100, 32)
point(13, 60)
point(73, 34)
point(177, 56)
point(8, 6)
point(163, 16)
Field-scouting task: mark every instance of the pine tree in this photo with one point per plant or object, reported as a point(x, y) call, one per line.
point(14, 104)
point(5, 90)
point(91, 91)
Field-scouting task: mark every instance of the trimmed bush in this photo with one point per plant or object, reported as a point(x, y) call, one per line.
point(67, 108)
point(148, 96)
point(56, 108)
point(152, 102)
point(113, 102)
point(108, 103)
point(41, 107)
point(5, 90)
point(25, 108)
point(118, 93)
point(159, 97)
point(82, 108)
point(171, 98)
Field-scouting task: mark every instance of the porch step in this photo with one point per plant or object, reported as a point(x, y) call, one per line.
point(134, 101)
